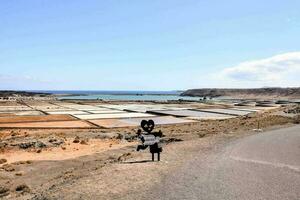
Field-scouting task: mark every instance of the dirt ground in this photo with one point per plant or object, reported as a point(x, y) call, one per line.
point(43, 118)
point(9, 103)
point(70, 163)
point(53, 124)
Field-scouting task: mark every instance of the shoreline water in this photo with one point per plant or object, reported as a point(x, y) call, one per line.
point(132, 97)
point(119, 95)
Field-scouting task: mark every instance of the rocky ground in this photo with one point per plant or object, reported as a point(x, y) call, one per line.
point(103, 163)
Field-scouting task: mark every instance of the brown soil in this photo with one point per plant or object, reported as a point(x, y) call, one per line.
point(110, 123)
point(53, 124)
point(39, 103)
point(44, 118)
point(104, 163)
point(7, 114)
point(69, 150)
point(9, 103)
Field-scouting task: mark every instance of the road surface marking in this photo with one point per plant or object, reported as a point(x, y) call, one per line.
point(277, 165)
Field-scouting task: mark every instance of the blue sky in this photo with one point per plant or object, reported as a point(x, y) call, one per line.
point(148, 45)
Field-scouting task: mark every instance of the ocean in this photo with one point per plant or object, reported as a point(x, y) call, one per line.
point(119, 95)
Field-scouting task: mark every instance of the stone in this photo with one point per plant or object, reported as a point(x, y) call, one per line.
point(22, 188)
point(3, 144)
point(56, 141)
point(76, 140)
point(39, 144)
point(2, 160)
point(4, 191)
point(107, 135)
point(84, 142)
point(129, 137)
point(20, 173)
point(8, 168)
point(124, 157)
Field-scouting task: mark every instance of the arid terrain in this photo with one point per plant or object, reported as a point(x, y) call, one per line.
point(149, 100)
point(255, 93)
point(75, 156)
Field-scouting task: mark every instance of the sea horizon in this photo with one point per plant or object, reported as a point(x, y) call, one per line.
point(110, 92)
point(123, 95)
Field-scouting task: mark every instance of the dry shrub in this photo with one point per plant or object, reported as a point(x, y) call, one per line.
point(297, 119)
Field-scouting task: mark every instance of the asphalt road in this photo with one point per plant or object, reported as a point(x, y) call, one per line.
point(260, 166)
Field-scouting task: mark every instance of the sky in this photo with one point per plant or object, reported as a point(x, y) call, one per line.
point(148, 45)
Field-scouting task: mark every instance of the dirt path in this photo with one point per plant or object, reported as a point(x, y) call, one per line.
point(260, 166)
point(120, 179)
point(186, 171)
point(106, 175)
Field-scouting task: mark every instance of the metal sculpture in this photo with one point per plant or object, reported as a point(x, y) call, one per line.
point(150, 139)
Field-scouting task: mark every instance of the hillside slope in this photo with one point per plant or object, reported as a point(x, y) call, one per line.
point(245, 93)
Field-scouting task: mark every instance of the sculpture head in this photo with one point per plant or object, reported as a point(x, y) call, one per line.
point(147, 126)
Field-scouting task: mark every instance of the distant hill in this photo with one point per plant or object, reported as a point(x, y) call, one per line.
point(245, 93)
point(10, 93)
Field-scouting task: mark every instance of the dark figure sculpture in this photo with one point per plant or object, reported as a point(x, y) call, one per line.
point(150, 138)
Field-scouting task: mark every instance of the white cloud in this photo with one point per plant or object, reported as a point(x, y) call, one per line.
point(19, 82)
point(279, 70)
